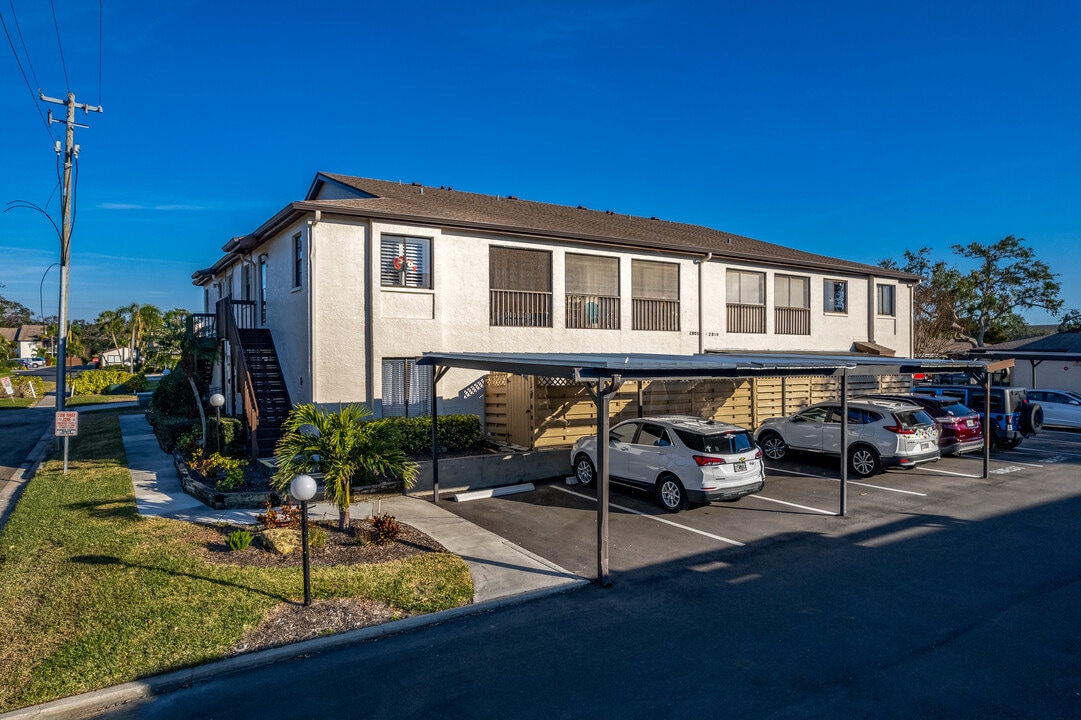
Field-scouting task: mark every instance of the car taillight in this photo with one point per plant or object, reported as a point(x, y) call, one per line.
point(900, 430)
point(705, 460)
point(758, 454)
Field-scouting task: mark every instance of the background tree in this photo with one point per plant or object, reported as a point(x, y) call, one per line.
point(111, 323)
point(935, 325)
point(1071, 321)
point(167, 340)
point(13, 314)
point(344, 447)
point(1008, 278)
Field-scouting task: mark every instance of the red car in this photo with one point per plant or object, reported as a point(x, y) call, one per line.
point(961, 430)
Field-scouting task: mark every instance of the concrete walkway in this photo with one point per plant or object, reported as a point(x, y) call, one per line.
point(500, 568)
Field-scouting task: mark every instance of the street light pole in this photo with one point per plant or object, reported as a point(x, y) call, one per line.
point(41, 286)
point(303, 489)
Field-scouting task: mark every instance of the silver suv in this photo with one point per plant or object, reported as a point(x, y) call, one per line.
point(682, 459)
point(881, 434)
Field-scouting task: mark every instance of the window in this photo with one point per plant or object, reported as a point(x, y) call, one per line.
point(245, 281)
point(407, 388)
point(792, 305)
point(887, 299)
point(405, 262)
point(519, 287)
point(746, 306)
point(836, 296)
point(653, 435)
point(654, 295)
point(792, 292)
point(623, 433)
point(298, 260)
point(592, 291)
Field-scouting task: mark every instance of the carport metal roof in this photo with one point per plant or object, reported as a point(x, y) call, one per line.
point(607, 371)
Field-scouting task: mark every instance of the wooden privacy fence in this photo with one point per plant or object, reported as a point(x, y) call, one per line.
point(535, 412)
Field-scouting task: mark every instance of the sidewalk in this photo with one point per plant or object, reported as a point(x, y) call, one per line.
point(500, 568)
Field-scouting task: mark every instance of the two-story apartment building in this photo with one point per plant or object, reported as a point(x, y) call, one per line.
point(358, 279)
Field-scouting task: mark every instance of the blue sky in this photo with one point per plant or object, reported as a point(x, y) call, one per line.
point(852, 129)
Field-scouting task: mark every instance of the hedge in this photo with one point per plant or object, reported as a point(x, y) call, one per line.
point(173, 396)
point(100, 382)
point(22, 384)
point(456, 432)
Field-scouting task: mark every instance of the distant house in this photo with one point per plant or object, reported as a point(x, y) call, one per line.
point(116, 356)
point(29, 339)
point(1051, 361)
point(338, 294)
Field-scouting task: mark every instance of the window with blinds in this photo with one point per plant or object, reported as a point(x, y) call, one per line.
point(519, 287)
point(792, 305)
point(407, 388)
point(592, 287)
point(405, 261)
point(655, 295)
point(745, 309)
point(298, 260)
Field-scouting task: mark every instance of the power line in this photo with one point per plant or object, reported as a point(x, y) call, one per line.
point(22, 40)
point(60, 45)
point(18, 61)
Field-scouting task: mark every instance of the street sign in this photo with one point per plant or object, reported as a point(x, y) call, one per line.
point(67, 423)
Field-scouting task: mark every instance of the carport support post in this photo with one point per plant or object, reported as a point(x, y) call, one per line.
point(988, 424)
point(437, 375)
point(844, 443)
point(603, 405)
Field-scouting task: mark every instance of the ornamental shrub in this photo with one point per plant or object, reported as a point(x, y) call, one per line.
point(226, 472)
point(98, 382)
point(173, 396)
point(238, 540)
point(170, 429)
point(25, 386)
point(385, 529)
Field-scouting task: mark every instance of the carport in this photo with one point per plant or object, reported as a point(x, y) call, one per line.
point(604, 374)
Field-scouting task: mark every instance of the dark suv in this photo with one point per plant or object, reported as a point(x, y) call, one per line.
point(961, 429)
point(1013, 417)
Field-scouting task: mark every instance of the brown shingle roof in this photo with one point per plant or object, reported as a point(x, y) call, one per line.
point(454, 208)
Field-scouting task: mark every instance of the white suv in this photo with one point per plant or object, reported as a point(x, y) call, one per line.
point(681, 459)
point(881, 433)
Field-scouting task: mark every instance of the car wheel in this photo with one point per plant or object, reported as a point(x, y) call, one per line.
point(670, 494)
point(584, 470)
point(773, 445)
point(863, 461)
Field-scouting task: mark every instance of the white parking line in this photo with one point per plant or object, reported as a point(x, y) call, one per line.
point(801, 507)
point(947, 472)
point(851, 482)
point(653, 517)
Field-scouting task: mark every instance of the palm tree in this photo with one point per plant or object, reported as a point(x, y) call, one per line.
point(344, 447)
point(134, 320)
point(111, 322)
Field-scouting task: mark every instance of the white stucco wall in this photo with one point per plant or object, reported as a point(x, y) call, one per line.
point(355, 323)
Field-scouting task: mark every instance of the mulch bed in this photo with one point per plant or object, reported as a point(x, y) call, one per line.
point(293, 622)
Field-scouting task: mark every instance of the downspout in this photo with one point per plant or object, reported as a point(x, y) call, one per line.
point(872, 298)
point(369, 314)
point(911, 320)
point(702, 305)
point(313, 359)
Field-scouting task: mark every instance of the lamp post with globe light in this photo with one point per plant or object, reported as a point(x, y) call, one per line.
point(303, 489)
point(217, 400)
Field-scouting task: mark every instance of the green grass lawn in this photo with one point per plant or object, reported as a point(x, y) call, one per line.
point(78, 400)
point(92, 594)
point(10, 403)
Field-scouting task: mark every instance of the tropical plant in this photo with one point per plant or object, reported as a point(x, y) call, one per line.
point(111, 323)
point(344, 447)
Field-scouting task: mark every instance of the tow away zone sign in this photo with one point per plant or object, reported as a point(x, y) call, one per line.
point(67, 423)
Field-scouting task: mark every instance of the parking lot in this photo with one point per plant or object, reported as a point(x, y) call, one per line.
point(558, 521)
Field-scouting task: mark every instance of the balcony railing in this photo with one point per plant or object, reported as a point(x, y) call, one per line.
point(593, 311)
point(655, 314)
point(519, 308)
point(792, 321)
point(746, 318)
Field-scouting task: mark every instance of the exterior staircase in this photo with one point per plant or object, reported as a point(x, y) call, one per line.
point(268, 386)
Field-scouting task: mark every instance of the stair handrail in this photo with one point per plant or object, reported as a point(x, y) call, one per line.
point(228, 327)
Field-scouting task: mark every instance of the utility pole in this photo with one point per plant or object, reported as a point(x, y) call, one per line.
point(71, 151)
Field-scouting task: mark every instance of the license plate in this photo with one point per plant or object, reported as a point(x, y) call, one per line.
point(925, 446)
point(741, 467)
point(970, 423)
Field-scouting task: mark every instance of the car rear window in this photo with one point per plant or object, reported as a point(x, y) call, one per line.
point(957, 409)
point(720, 444)
point(912, 418)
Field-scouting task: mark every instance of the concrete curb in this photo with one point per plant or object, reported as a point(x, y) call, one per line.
point(91, 704)
point(9, 496)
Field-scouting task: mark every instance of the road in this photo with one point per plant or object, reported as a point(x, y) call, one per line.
point(954, 598)
point(21, 429)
